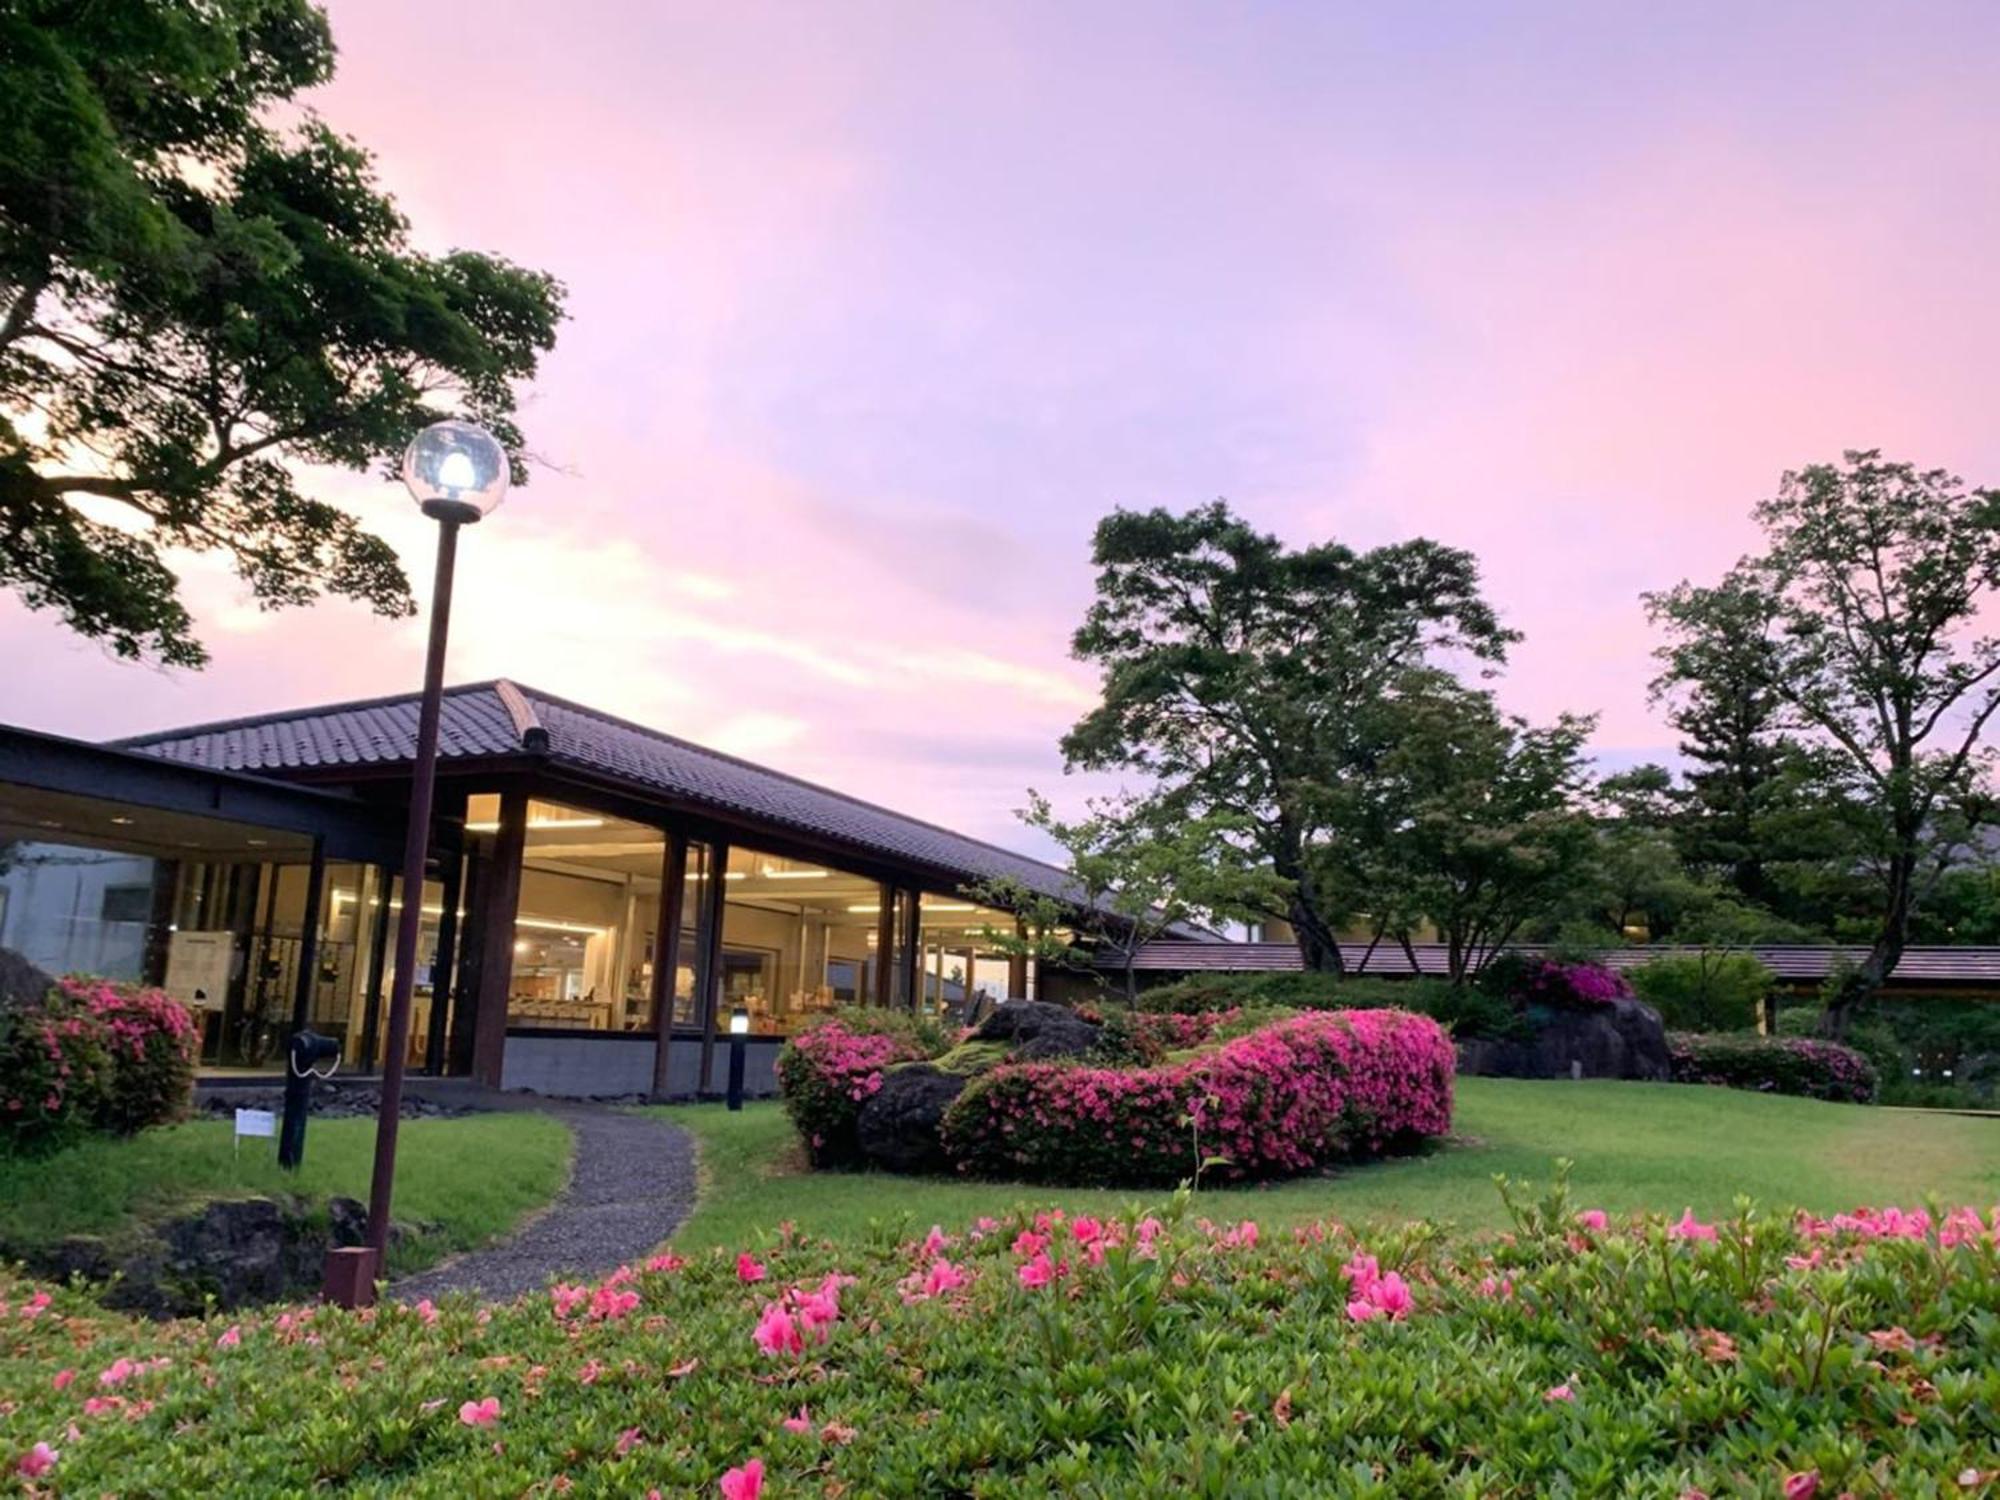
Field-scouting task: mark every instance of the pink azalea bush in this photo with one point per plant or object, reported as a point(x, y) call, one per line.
point(1284, 1099)
point(1146, 1353)
point(93, 1055)
point(1804, 1066)
point(1532, 979)
point(826, 1073)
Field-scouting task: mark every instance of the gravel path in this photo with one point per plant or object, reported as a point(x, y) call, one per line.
point(632, 1184)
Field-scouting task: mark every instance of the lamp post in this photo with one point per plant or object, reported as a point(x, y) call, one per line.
point(457, 474)
point(739, 1028)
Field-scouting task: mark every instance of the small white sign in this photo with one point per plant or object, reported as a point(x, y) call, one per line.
point(256, 1122)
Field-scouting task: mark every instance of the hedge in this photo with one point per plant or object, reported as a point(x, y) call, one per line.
point(1142, 1355)
point(1704, 991)
point(1465, 1010)
point(94, 1055)
point(1287, 1098)
point(1773, 1065)
point(827, 1072)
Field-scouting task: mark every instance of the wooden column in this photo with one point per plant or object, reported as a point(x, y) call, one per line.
point(378, 958)
point(911, 952)
point(1017, 967)
point(708, 971)
point(667, 956)
point(444, 961)
point(308, 960)
point(885, 944)
point(465, 981)
point(496, 924)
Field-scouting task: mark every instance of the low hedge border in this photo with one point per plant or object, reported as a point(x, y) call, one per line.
point(1287, 1098)
point(1773, 1065)
point(93, 1055)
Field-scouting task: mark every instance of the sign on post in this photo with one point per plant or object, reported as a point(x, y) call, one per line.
point(254, 1122)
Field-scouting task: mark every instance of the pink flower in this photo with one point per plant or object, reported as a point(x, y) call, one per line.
point(1037, 1272)
point(1028, 1243)
point(1559, 1393)
point(629, 1439)
point(480, 1413)
point(1690, 1228)
point(230, 1337)
point(749, 1268)
point(37, 1461)
point(935, 1242)
point(63, 1378)
point(1499, 1288)
point(1594, 1219)
point(776, 1333)
point(746, 1483)
point(1802, 1486)
point(427, 1310)
point(801, 1423)
point(117, 1372)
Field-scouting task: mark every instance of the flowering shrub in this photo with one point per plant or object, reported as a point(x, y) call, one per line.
point(1773, 1065)
point(1052, 1354)
point(1286, 1098)
point(826, 1073)
point(152, 1042)
point(1146, 1037)
point(1527, 979)
point(94, 1055)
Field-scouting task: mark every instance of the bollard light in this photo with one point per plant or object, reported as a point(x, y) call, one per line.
point(739, 1030)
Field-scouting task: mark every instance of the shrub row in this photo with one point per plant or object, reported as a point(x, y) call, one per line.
point(1286, 1098)
point(827, 1072)
point(1465, 1009)
point(1045, 1354)
point(1773, 1065)
point(94, 1055)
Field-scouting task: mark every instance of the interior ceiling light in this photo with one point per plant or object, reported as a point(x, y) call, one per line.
point(492, 825)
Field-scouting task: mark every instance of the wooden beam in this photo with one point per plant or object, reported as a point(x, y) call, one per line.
point(667, 955)
point(496, 930)
point(708, 972)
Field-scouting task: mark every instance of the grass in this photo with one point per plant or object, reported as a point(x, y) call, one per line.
point(1635, 1146)
point(473, 1178)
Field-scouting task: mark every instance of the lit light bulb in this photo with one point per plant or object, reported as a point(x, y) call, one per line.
point(457, 472)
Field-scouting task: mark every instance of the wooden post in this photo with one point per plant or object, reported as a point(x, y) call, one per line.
point(444, 962)
point(496, 960)
point(667, 957)
point(911, 950)
point(885, 943)
point(378, 957)
point(708, 972)
point(308, 961)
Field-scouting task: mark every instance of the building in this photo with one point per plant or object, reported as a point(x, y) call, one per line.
point(596, 886)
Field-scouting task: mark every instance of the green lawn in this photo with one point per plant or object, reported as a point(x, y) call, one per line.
point(1635, 1146)
point(473, 1177)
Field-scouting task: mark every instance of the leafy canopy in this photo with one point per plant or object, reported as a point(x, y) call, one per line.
point(1238, 673)
point(193, 300)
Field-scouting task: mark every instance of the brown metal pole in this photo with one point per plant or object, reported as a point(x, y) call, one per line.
point(416, 850)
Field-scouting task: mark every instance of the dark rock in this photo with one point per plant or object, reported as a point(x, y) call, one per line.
point(1036, 1030)
point(898, 1126)
point(332, 1101)
point(21, 983)
point(347, 1222)
point(1624, 1039)
point(237, 1250)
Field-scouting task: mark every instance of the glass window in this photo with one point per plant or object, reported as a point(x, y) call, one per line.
point(798, 939)
point(583, 931)
point(957, 962)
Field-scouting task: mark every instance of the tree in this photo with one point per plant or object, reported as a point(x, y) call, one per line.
point(1155, 871)
point(1864, 608)
point(1236, 674)
point(1481, 831)
point(192, 300)
point(1044, 927)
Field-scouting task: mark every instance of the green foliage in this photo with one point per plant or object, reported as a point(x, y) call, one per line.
point(194, 298)
point(1237, 674)
point(1705, 991)
point(1933, 1052)
point(1470, 817)
point(1464, 1010)
point(1856, 632)
point(1809, 1068)
point(1173, 1361)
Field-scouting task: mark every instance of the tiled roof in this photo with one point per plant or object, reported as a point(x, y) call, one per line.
point(1796, 962)
point(493, 719)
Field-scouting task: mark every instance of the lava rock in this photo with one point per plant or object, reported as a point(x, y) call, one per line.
point(898, 1126)
point(1036, 1030)
point(21, 983)
point(1624, 1039)
point(331, 1101)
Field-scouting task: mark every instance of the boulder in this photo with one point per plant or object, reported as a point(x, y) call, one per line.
point(898, 1126)
point(1622, 1039)
point(1035, 1030)
point(21, 983)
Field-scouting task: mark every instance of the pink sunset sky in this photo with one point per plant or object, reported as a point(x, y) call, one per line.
point(875, 309)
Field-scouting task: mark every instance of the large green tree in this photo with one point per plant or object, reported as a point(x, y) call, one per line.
point(1476, 817)
point(194, 300)
point(1865, 608)
point(1239, 674)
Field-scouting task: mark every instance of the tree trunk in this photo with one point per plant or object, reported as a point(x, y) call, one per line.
point(1318, 946)
point(1857, 988)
